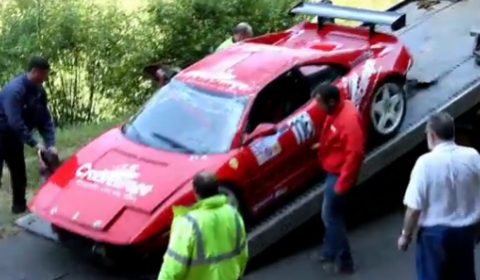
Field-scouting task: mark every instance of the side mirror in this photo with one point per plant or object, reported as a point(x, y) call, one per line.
point(262, 130)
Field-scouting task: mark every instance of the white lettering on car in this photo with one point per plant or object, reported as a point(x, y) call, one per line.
point(121, 180)
point(223, 78)
point(357, 85)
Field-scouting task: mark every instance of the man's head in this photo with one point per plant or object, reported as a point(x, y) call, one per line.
point(242, 32)
point(440, 128)
point(328, 97)
point(205, 184)
point(38, 69)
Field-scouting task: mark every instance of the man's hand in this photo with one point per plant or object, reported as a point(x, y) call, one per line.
point(338, 192)
point(403, 242)
point(40, 148)
point(160, 74)
point(53, 150)
point(477, 233)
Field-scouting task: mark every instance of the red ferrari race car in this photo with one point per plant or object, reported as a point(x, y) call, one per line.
point(245, 112)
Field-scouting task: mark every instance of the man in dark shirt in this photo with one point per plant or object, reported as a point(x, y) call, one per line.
point(23, 107)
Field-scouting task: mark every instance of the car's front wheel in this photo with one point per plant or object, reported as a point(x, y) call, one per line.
point(387, 110)
point(233, 198)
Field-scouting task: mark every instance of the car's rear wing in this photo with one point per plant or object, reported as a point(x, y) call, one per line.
point(326, 11)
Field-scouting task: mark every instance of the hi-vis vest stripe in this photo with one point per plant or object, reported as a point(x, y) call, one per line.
point(201, 258)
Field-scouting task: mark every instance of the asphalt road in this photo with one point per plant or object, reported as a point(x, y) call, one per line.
point(374, 218)
point(28, 257)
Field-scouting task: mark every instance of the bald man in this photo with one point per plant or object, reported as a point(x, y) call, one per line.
point(241, 32)
point(221, 252)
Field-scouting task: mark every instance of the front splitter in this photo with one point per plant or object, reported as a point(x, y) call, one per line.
point(34, 224)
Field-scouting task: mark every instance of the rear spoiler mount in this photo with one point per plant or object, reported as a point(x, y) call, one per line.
point(325, 11)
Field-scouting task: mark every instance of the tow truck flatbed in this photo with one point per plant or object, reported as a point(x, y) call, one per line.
point(440, 43)
point(442, 48)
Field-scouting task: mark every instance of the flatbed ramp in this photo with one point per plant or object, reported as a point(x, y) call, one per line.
point(375, 253)
point(440, 44)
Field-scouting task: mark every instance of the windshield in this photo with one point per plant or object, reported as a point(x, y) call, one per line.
point(187, 119)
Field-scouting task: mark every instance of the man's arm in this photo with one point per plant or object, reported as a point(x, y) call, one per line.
point(415, 198)
point(354, 149)
point(12, 105)
point(179, 253)
point(45, 123)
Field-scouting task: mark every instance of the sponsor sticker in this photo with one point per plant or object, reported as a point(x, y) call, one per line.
point(121, 180)
point(266, 149)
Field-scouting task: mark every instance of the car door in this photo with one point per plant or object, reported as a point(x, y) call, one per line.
point(285, 160)
point(267, 157)
point(305, 125)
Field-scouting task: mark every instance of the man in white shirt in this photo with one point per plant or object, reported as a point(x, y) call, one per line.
point(443, 201)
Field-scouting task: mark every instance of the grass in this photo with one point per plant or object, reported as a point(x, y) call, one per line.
point(68, 141)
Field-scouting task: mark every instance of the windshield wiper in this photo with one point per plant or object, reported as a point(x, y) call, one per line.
point(135, 130)
point(174, 143)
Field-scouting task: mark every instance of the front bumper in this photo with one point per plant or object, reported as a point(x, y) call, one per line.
point(106, 254)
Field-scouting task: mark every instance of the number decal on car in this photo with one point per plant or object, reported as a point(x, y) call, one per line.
point(302, 127)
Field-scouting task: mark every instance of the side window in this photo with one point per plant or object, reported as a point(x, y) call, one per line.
point(321, 74)
point(260, 111)
point(279, 99)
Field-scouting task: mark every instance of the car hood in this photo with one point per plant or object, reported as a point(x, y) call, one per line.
point(112, 175)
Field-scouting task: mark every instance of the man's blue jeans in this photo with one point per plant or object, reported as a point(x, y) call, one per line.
point(336, 246)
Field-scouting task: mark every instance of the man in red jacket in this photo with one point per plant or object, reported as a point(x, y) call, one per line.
point(341, 154)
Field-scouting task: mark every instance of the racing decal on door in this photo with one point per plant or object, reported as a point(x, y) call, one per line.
point(302, 127)
point(357, 85)
point(265, 149)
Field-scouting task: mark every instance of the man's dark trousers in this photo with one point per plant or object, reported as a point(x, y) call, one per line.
point(446, 253)
point(12, 152)
point(336, 246)
point(1, 172)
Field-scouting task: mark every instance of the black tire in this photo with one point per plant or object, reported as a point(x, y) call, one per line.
point(233, 193)
point(381, 133)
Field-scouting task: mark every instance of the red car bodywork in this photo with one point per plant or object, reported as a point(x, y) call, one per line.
point(80, 199)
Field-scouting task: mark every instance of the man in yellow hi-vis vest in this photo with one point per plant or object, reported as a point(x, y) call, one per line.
point(208, 240)
point(241, 32)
